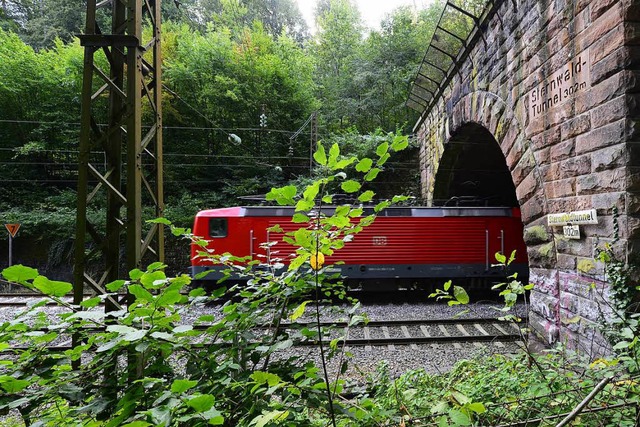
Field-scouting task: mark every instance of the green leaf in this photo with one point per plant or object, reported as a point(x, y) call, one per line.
point(367, 196)
point(19, 273)
point(156, 266)
point(91, 302)
point(93, 315)
point(115, 285)
point(284, 195)
point(12, 385)
point(364, 165)
point(460, 398)
point(149, 280)
point(180, 386)
point(501, 258)
point(372, 174)
point(350, 186)
point(400, 142)
point(477, 407)
point(460, 295)
point(459, 418)
point(382, 149)
point(304, 205)
point(299, 218)
point(214, 417)
point(261, 377)
point(320, 156)
point(269, 417)
point(383, 159)
point(140, 293)
point(135, 274)
point(164, 221)
point(440, 408)
point(137, 424)
point(311, 191)
point(344, 163)
point(169, 298)
point(299, 311)
point(52, 287)
point(183, 328)
point(201, 403)
point(334, 152)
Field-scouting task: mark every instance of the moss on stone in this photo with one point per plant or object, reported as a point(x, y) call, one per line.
point(535, 235)
point(585, 265)
point(545, 250)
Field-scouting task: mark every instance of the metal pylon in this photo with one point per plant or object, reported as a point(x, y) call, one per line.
point(120, 161)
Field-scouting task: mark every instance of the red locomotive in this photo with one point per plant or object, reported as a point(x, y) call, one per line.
point(403, 246)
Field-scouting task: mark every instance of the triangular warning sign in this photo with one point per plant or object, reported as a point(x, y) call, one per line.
point(12, 229)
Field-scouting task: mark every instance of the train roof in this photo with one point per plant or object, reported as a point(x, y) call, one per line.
point(409, 211)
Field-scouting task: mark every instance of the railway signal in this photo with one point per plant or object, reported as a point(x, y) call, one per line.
point(13, 230)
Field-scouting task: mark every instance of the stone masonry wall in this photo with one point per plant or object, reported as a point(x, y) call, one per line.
point(556, 84)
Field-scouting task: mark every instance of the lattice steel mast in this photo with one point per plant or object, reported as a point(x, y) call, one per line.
point(120, 162)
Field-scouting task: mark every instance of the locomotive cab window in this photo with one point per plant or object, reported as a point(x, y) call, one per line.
point(218, 227)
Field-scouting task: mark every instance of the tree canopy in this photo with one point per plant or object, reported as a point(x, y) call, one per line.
point(226, 64)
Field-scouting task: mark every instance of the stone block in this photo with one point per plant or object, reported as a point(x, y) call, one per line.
point(575, 126)
point(568, 204)
point(543, 156)
point(524, 162)
point(606, 19)
point(620, 59)
point(605, 91)
point(611, 111)
point(547, 138)
point(566, 262)
point(526, 188)
point(575, 166)
point(551, 171)
point(599, 7)
point(601, 182)
point(604, 136)
point(543, 329)
point(532, 208)
point(611, 41)
point(562, 150)
point(560, 188)
point(609, 158)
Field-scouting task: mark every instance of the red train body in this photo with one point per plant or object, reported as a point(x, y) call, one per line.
point(401, 247)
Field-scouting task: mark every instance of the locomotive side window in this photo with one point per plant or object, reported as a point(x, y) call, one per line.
point(218, 227)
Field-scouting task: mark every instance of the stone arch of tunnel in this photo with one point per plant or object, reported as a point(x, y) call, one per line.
point(473, 171)
point(556, 85)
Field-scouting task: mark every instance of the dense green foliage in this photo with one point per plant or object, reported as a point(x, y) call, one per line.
point(226, 63)
point(142, 365)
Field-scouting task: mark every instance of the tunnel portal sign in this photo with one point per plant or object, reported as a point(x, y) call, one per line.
point(573, 218)
point(565, 83)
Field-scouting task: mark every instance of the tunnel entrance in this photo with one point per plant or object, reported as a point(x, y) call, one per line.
point(473, 171)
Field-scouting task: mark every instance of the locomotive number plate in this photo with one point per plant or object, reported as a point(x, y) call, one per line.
point(379, 240)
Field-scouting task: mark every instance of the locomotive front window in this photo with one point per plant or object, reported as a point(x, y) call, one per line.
point(218, 227)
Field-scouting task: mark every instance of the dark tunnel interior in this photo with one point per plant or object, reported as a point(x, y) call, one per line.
point(473, 171)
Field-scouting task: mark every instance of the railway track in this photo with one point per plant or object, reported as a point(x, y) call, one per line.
point(426, 331)
point(450, 331)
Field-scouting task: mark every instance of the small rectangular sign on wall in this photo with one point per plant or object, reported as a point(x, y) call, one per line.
point(573, 218)
point(571, 231)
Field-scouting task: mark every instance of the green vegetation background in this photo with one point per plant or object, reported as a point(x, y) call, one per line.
point(226, 62)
